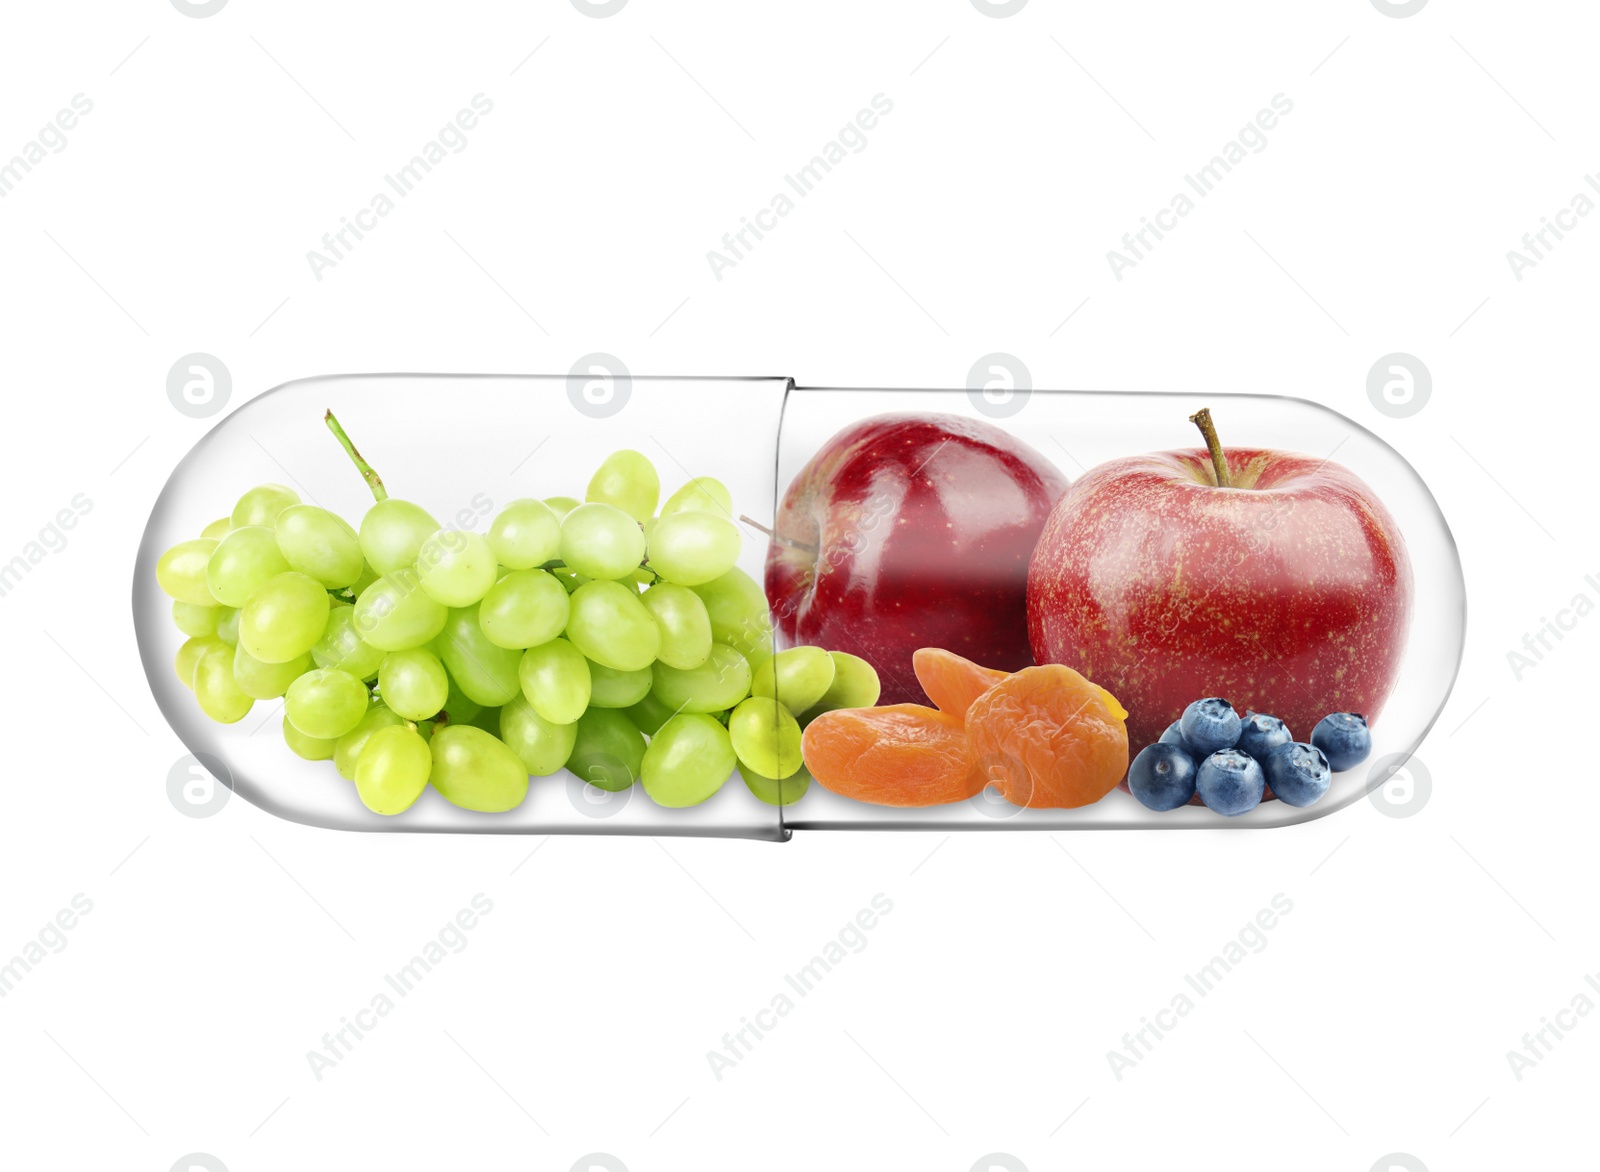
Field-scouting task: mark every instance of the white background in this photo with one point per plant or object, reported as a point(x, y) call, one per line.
point(977, 1019)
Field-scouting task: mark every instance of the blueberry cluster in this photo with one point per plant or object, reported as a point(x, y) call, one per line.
point(1230, 761)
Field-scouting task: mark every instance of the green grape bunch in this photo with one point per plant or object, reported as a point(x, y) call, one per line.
point(614, 637)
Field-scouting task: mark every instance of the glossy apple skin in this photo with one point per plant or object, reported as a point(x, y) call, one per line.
point(1288, 593)
point(907, 531)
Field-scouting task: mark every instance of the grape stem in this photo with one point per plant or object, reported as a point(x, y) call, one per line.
point(1219, 458)
point(558, 564)
point(368, 472)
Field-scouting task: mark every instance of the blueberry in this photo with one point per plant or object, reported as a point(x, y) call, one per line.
point(1162, 776)
point(1344, 739)
point(1260, 734)
point(1174, 736)
point(1209, 725)
point(1230, 782)
point(1298, 773)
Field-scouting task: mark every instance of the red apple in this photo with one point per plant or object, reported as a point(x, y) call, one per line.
point(1287, 592)
point(910, 531)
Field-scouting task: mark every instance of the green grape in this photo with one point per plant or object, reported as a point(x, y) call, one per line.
point(775, 791)
point(340, 646)
point(608, 751)
point(561, 505)
point(524, 609)
point(649, 714)
point(477, 771)
point(628, 481)
point(228, 625)
point(693, 548)
point(347, 752)
point(262, 504)
point(684, 624)
point(266, 681)
point(284, 618)
point(218, 529)
point(609, 688)
point(193, 619)
point(242, 561)
point(188, 657)
point(181, 571)
point(855, 685)
point(555, 679)
point(687, 761)
point(413, 683)
point(393, 770)
point(456, 567)
point(326, 702)
point(527, 533)
point(542, 745)
point(395, 613)
point(738, 609)
point(486, 673)
point(320, 544)
point(601, 541)
point(458, 709)
point(214, 686)
point(392, 533)
point(715, 686)
point(799, 677)
point(766, 736)
point(610, 625)
point(703, 494)
point(310, 748)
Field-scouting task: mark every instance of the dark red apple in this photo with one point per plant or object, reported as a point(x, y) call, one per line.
point(910, 531)
point(1288, 591)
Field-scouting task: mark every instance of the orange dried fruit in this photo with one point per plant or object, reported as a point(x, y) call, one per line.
point(1043, 736)
point(951, 682)
point(1048, 737)
point(897, 755)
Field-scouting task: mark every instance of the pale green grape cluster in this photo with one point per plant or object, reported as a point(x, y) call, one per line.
point(604, 636)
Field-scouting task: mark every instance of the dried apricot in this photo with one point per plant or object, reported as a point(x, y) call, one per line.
point(953, 683)
point(1045, 736)
point(898, 755)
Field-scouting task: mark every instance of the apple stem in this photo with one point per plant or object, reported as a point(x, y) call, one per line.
point(1219, 459)
point(792, 544)
point(368, 473)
